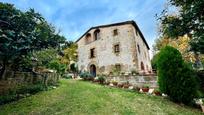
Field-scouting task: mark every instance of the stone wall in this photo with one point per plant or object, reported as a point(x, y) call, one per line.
point(105, 59)
point(138, 80)
point(14, 79)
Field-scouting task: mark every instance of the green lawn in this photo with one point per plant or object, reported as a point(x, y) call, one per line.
point(78, 97)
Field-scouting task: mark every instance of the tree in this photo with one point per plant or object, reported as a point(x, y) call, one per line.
point(21, 33)
point(70, 54)
point(181, 44)
point(154, 61)
point(188, 21)
point(176, 78)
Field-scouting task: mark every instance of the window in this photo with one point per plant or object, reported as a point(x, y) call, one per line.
point(138, 47)
point(136, 33)
point(115, 32)
point(88, 38)
point(142, 66)
point(118, 67)
point(92, 53)
point(97, 34)
point(117, 48)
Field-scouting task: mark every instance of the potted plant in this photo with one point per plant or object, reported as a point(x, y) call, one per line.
point(115, 83)
point(107, 82)
point(101, 79)
point(120, 85)
point(136, 88)
point(126, 85)
point(145, 88)
point(134, 72)
point(157, 92)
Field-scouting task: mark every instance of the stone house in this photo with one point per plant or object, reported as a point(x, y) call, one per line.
point(113, 47)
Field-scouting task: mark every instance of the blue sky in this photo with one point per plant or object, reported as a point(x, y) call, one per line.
point(74, 17)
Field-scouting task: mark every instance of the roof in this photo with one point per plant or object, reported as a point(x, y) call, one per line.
point(117, 24)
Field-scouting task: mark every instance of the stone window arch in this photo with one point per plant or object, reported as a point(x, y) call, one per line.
point(96, 34)
point(88, 38)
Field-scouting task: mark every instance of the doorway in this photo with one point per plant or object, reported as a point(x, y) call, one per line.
point(93, 70)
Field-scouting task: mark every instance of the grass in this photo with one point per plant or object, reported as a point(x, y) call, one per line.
point(79, 97)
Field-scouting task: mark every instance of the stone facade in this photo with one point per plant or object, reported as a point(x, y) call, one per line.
point(118, 46)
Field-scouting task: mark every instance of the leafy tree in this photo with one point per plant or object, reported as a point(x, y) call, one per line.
point(176, 78)
point(70, 54)
point(21, 33)
point(56, 65)
point(154, 61)
point(188, 21)
point(181, 44)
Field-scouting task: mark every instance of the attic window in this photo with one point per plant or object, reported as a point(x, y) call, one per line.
point(136, 33)
point(97, 34)
point(115, 32)
point(88, 38)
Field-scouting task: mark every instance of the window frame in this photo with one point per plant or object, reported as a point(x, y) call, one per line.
point(116, 48)
point(115, 32)
point(92, 53)
point(96, 34)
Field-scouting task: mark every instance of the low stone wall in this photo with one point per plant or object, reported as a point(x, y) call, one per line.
point(138, 80)
point(13, 79)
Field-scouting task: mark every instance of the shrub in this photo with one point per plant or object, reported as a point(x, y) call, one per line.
point(134, 72)
point(154, 61)
point(20, 92)
point(176, 79)
point(67, 76)
point(101, 79)
point(86, 76)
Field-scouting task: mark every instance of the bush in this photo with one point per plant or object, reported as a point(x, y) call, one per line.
point(31, 89)
point(176, 79)
point(21, 92)
point(101, 79)
point(154, 61)
point(86, 76)
point(67, 76)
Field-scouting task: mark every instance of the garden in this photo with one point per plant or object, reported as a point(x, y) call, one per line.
point(82, 97)
point(37, 67)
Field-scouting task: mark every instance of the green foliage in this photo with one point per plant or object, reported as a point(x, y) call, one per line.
point(67, 76)
point(23, 32)
point(56, 65)
point(154, 61)
point(101, 79)
point(73, 68)
point(69, 53)
point(134, 72)
point(21, 92)
point(146, 86)
point(176, 79)
point(188, 21)
point(86, 76)
point(73, 95)
point(45, 56)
